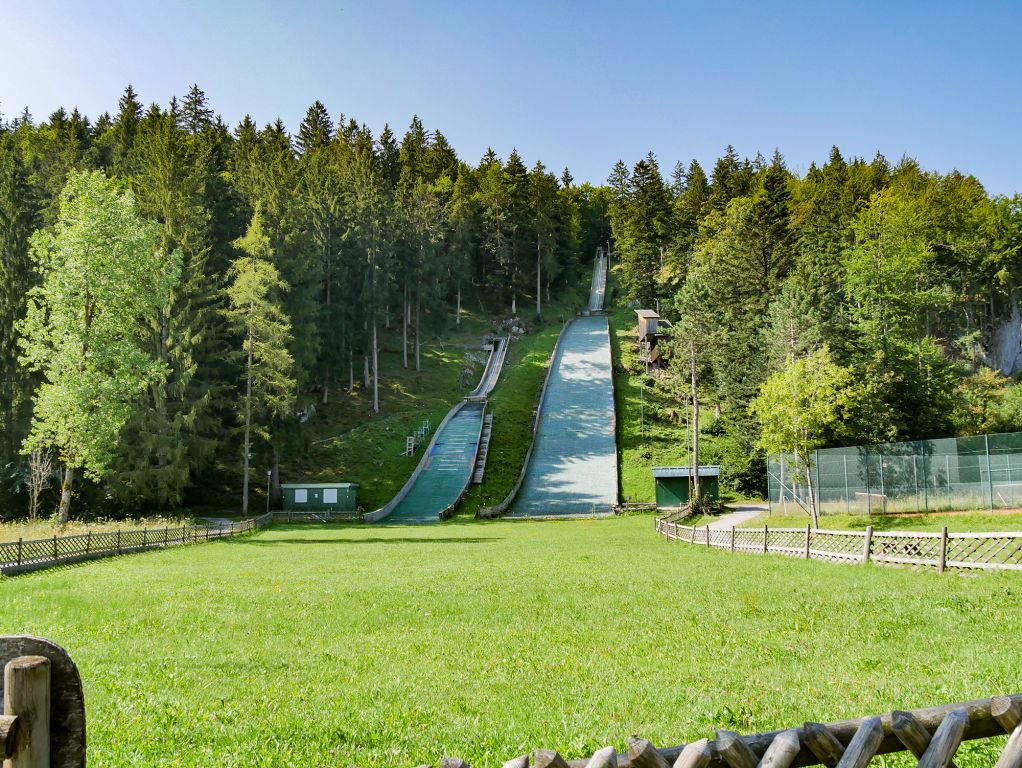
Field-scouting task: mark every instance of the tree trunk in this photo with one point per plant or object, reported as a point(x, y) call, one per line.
point(351, 371)
point(248, 429)
point(64, 510)
point(404, 325)
point(275, 479)
point(812, 493)
point(365, 369)
point(695, 430)
point(326, 387)
point(418, 328)
point(376, 373)
point(457, 316)
point(539, 282)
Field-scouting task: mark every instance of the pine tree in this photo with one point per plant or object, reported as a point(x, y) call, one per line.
point(196, 114)
point(316, 130)
point(256, 312)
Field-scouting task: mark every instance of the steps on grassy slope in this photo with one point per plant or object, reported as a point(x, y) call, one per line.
point(484, 449)
point(450, 462)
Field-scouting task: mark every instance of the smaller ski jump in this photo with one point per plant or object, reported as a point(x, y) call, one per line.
point(446, 467)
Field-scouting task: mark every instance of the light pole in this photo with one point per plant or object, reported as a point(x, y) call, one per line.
point(269, 473)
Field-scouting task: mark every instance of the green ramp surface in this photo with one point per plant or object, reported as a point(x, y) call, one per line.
point(446, 472)
point(573, 468)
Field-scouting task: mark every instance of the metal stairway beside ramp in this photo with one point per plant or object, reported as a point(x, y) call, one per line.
point(484, 449)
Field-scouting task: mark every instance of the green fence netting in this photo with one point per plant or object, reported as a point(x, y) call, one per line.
point(976, 472)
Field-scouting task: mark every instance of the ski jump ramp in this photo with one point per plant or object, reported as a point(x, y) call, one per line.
point(571, 468)
point(445, 469)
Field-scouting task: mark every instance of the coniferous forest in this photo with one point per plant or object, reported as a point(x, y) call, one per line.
point(312, 249)
point(900, 282)
point(309, 249)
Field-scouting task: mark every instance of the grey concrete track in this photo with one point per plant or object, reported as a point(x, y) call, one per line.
point(573, 466)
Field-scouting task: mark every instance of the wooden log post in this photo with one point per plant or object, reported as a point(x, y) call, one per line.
point(1011, 755)
point(1006, 712)
point(766, 539)
point(145, 538)
point(911, 733)
point(822, 743)
point(642, 754)
point(707, 529)
point(548, 758)
point(945, 740)
point(867, 544)
point(19, 551)
point(8, 736)
point(54, 546)
point(27, 696)
point(942, 563)
point(118, 541)
point(735, 751)
point(694, 755)
point(864, 743)
point(453, 762)
point(604, 758)
point(732, 538)
point(88, 542)
point(782, 750)
point(518, 762)
point(809, 533)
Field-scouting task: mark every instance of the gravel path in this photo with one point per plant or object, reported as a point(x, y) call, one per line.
point(741, 515)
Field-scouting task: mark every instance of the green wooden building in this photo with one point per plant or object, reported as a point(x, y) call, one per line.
point(335, 497)
point(672, 484)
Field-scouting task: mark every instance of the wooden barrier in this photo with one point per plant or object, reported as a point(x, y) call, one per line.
point(35, 554)
point(940, 550)
point(931, 736)
point(43, 721)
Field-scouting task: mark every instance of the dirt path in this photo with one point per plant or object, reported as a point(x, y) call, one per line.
point(739, 515)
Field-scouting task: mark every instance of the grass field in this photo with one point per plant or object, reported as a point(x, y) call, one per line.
point(955, 521)
point(394, 646)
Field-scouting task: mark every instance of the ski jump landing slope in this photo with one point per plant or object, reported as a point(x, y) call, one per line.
point(445, 470)
point(573, 466)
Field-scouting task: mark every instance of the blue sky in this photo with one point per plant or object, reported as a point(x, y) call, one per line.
point(577, 84)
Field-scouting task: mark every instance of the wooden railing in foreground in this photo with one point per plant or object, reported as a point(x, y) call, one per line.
point(940, 550)
point(931, 736)
point(34, 554)
point(43, 721)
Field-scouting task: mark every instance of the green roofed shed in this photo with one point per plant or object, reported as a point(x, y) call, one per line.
point(337, 497)
point(672, 484)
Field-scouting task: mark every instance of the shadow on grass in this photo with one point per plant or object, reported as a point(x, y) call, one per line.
point(374, 540)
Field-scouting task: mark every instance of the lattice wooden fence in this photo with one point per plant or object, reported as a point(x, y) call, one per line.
point(34, 554)
point(932, 736)
point(940, 550)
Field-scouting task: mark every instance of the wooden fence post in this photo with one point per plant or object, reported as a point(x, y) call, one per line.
point(809, 530)
point(942, 564)
point(88, 541)
point(54, 546)
point(19, 551)
point(766, 539)
point(707, 535)
point(732, 538)
point(166, 534)
point(145, 537)
point(118, 541)
point(27, 696)
point(868, 543)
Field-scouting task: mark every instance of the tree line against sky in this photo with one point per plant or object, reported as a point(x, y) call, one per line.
point(901, 284)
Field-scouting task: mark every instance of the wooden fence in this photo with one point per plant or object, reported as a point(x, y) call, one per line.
point(931, 736)
point(940, 550)
point(34, 554)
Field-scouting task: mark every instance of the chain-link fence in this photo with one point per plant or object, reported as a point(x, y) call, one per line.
point(977, 472)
